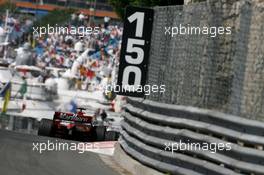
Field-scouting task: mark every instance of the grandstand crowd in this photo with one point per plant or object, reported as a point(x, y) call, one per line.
point(89, 61)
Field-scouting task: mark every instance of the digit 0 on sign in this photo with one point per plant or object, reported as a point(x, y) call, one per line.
point(135, 51)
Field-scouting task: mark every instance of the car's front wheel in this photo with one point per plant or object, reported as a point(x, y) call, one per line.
point(111, 136)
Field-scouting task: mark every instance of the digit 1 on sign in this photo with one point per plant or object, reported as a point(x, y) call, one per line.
point(139, 16)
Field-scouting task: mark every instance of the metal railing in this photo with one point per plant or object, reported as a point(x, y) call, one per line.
point(148, 125)
point(37, 91)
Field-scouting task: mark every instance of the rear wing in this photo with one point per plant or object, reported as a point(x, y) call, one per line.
point(72, 117)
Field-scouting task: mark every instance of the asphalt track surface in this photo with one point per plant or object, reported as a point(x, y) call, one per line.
point(18, 158)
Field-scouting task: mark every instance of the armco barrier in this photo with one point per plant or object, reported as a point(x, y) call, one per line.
point(19, 124)
point(148, 125)
point(221, 77)
point(35, 91)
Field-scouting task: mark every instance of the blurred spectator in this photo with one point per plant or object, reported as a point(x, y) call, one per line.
point(91, 60)
point(25, 55)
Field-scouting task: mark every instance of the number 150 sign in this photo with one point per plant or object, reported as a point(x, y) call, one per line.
point(135, 51)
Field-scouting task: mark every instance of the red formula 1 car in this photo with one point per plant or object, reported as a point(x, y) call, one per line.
point(76, 126)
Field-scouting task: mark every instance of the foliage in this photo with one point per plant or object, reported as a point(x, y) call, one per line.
point(8, 5)
point(199, 0)
point(57, 16)
point(120, 5)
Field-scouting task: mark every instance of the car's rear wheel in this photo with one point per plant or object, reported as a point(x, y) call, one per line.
point(45, 127)
point(100, 133)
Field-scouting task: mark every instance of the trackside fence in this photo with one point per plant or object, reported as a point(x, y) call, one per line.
point(214, 92)
point(150, 129)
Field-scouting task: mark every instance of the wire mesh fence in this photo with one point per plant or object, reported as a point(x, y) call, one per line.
point(222, 71)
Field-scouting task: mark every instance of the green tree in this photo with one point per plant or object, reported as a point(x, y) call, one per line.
point(120, 5)
point(8, 5)
point(57, 16)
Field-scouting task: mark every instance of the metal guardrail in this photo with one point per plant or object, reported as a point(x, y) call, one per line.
point(35, 91)
point(148, 125)
point(19, 124)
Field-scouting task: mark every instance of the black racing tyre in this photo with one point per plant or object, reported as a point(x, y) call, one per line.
point(45, 127)
point(111, 136)
point(100, 133)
